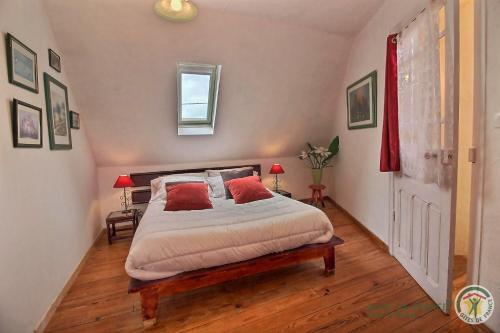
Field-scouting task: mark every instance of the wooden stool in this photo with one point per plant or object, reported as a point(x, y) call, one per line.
point(317, 194)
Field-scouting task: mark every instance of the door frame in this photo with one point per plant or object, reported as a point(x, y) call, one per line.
point(477, 178)
point(476, 208)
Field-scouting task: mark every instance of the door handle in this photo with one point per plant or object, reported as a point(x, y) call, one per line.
point(429, 155)
point(446, 157)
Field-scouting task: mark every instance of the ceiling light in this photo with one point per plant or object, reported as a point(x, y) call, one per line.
point(176, 10)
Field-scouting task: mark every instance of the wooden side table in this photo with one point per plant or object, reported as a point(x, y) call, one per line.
point(284, 193)
point(317, 194)
point(130, 216)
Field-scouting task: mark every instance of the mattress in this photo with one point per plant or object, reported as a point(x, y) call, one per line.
point(169, 243)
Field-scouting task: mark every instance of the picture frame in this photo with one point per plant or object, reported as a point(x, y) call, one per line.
point(56, 99)
point(54, 60)
point(22, 64)
point(27, 130)
point(362, 102)
point(74, 120)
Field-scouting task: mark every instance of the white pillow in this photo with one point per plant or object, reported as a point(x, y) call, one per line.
point(216, 187)
point(158, 190)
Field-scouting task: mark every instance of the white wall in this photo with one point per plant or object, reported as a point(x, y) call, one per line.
point(489, 275)
point(49, 212)
point(357, 185)
point(296, 178)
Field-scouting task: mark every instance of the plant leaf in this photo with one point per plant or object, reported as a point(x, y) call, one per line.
point(334, 147)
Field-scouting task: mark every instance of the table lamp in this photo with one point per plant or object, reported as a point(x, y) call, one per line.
point(276, 169)
point(124, 181)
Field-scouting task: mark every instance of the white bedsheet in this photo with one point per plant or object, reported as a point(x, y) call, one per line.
point(168, 243)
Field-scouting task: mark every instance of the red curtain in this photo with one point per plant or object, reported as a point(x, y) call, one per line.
point(389, 153)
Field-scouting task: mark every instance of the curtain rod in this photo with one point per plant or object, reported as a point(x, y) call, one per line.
point(413, 19)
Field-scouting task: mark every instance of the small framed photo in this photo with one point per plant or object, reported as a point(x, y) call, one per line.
point(22, 64)
point(74, 119)
point(56, 99)
point(362, 102)
point(26, 125)
point(54, 60)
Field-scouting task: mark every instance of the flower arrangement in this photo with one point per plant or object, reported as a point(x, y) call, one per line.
point(318, 158)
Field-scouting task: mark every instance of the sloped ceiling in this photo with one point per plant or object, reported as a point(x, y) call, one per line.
point(336, 16)
point(278, 77)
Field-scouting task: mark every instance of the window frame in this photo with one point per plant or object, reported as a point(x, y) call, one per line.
point(201, 69)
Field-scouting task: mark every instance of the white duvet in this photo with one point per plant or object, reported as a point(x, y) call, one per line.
point(169, 243)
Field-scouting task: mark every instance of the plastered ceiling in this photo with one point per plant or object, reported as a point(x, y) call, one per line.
point(280, 73)
point(336, 16)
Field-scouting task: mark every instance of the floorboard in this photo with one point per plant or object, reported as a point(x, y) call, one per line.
point(370, 292)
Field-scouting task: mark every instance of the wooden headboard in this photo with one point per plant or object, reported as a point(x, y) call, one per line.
point(143, 179)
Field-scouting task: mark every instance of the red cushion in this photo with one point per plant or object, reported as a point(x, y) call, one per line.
point(233, 174)
point(188, 196)
point(247, 189)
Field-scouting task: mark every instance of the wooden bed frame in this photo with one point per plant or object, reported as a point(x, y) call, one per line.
point(151, 291)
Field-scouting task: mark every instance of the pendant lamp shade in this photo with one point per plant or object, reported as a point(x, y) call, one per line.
point(176, 10)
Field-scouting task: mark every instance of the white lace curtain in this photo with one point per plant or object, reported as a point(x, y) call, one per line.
point(421, 134)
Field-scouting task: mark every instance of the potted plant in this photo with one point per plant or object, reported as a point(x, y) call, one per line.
point(318, 158)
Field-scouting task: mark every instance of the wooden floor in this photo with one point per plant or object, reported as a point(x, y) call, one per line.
point(370, 292)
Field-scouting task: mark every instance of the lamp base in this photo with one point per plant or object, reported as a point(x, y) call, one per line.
point(276, 183)
point(125, 201)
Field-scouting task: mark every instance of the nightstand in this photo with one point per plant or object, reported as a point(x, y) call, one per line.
point(284, 193)
point(130, 216)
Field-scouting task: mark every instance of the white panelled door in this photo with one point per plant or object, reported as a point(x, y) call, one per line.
point(421, 236)
point(424, 212)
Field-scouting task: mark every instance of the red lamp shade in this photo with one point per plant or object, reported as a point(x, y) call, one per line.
point(276, 169)
point(123, 181)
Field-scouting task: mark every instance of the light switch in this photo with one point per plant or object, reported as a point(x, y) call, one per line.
point(496, 120)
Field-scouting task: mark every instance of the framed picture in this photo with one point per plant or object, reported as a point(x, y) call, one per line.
point(56, 99)
point(54, 60)
point(362, 102)
point(22, 64)
point(74, 119)
point(26, 125)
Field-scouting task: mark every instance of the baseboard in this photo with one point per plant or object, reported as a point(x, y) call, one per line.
point(52, 309)
point(370, 234)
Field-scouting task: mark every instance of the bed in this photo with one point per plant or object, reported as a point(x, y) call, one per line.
point(177, 251)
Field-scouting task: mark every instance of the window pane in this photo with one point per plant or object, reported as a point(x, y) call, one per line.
point(194, 111)
point(195, 96)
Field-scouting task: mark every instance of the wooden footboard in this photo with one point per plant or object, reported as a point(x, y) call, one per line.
point(151, 291)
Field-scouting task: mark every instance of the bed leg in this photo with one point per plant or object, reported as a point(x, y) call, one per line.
point(329, 259)
point(149, 305)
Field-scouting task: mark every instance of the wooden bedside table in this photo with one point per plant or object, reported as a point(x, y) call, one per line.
point(284, 193)
point(132, 215)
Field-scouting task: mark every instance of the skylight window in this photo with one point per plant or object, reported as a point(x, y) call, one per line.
point(198, 87)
